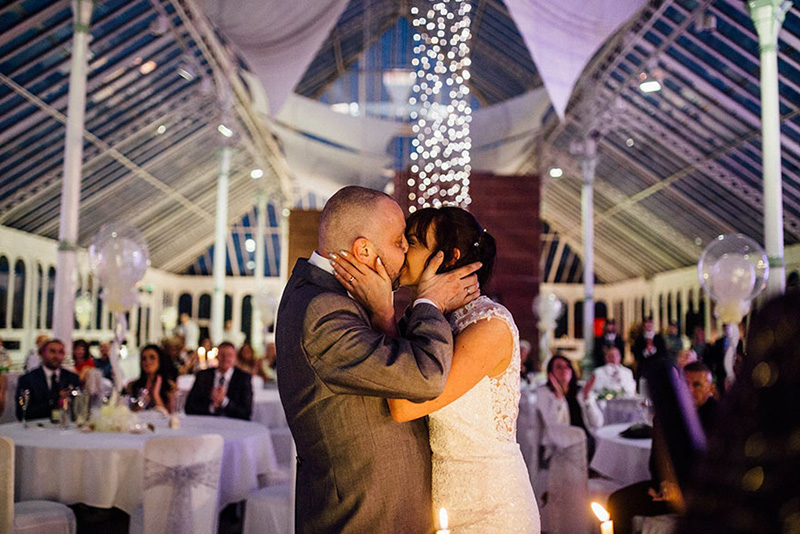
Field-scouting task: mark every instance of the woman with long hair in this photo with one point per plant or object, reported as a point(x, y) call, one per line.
point(563, 401)
point(153, 385)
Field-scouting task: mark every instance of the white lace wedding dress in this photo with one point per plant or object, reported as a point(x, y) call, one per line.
point(479, 475)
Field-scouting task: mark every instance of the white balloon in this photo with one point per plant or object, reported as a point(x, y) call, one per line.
point(119, 258)
point(732, 278)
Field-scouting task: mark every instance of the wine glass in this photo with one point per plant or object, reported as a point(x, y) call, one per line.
point(24, 400)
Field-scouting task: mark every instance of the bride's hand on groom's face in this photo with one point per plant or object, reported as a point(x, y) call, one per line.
point(370, 287)
point(449, 290)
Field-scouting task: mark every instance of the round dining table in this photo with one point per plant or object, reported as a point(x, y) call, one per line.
point(621, 459)
point(105, 470)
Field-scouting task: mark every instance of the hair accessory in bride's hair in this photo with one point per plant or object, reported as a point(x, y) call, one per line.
point(480, 237)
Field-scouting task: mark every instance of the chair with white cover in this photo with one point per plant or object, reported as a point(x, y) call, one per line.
point(28, 517)
point(181, 481)
point(270, 510)
point(556, 459)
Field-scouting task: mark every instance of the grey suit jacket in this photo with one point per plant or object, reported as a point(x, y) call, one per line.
point(358, 470)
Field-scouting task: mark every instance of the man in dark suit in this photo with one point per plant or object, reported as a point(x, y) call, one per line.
point(46, 382)
point(357, 469)
point(225, 390)
point(649, 346)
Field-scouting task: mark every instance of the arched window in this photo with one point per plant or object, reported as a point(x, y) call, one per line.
point(4, 278)
point(562, 323)
point(51, 296)
point(247, 316)
point(578, 320)
point(204, 307)
point(228, 308)
point(185, 304)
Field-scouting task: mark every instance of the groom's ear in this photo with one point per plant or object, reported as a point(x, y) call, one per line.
point(363, 251)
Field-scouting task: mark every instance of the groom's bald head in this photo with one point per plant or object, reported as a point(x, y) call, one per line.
point(352, 212)
point(366, 223)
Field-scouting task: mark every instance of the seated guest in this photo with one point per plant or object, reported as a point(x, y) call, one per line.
point(90, 376)
point(660, 495)
point(562, 401)
point(225, 390)
point(246, 360)
point(613, 376)
point(103, 363)
point(46, 382)
point(609, 339)
point(268, 363)
point(153, 384)
point(32, 360)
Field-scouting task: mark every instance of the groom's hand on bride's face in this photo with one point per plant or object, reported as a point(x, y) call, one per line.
point(449, 290)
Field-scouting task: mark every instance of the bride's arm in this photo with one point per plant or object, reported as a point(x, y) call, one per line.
point(483, 348)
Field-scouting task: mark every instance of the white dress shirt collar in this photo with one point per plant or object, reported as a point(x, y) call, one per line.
point(317, 260)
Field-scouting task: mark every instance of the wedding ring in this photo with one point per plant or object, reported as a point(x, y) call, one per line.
point(351, 279)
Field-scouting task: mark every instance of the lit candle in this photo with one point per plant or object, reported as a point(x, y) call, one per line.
point(201, 356)
point(212, 357)
point(443, 524)
point(606, 525)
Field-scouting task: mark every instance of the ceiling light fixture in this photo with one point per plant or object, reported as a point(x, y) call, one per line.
point(255, 174)
point(161, 129)
point(556, 172)
point(147, 68)
point(224, 130)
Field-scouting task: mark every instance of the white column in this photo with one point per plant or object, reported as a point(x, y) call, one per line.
point(66, 262)
point(220, 247)
point(256, 328)
point(588, 165)
point(768, 18)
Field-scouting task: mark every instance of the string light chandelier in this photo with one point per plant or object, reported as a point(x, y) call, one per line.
point(440, 161)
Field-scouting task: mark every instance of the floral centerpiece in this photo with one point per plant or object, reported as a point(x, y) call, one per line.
point(113, 417)
point(608, 394)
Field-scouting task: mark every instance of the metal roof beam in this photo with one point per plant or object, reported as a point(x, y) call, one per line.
point(138, 171)
point(34, 20)
point(679, 197)
point(44, 184)
point(695, 160)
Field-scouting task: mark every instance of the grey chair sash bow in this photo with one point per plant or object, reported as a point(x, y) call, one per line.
point(182, 478)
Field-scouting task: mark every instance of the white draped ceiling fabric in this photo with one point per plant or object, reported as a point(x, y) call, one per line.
point(326, 150)
point(563, 36)
point(277, 38)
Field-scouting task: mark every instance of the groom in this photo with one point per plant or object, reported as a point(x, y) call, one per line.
point(357, 469)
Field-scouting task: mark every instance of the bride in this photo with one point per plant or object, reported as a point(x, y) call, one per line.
point(479, 475)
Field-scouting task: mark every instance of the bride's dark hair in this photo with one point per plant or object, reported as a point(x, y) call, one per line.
point(455, 228)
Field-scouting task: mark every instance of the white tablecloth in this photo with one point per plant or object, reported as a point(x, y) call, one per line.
point(622, 410)
point(621, 459)
point(105, 470)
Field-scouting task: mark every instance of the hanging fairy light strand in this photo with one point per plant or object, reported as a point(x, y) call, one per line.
point(440, 161)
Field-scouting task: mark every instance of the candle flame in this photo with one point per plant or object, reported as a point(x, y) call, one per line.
point(443, 519)
point(600, 512)
point(201, 351)
point(212, 354)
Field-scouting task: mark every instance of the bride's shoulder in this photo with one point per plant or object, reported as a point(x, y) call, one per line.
point(480, 309)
